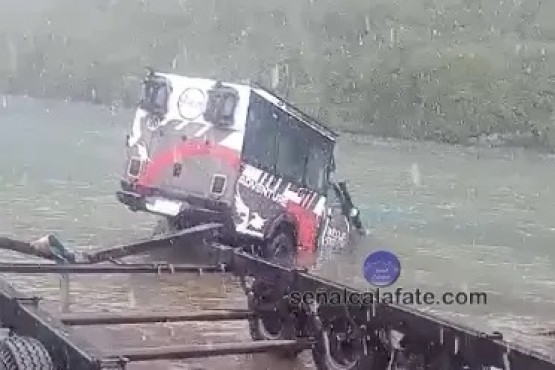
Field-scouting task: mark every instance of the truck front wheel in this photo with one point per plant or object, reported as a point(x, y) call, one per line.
point(280, 248)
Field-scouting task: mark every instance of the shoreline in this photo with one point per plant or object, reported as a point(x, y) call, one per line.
point(355, 131)
point(467, 76)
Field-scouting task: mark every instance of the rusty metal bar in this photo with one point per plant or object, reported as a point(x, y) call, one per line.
point(141, 318)
point(206, 350)
point(50, 268)
point(121, 251)
point(24, 248)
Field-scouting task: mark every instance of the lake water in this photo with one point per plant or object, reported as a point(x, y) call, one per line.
point(459, 218)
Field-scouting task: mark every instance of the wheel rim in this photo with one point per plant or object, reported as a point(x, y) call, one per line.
point(342, 344)
point(271, 325)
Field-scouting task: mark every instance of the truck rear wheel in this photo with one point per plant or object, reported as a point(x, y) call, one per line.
point(24, 353)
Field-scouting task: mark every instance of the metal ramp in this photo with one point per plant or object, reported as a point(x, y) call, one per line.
point(339, 336)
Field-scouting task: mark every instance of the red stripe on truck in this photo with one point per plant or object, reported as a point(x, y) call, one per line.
point(187, 149)
point(307, 227)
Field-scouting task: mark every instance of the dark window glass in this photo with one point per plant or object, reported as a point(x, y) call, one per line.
point(259, 146)
point(318, 166)
point(333, 199)
point(277, 142)
point(292, 149)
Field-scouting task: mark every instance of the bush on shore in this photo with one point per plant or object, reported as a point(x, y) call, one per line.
point(446, 70)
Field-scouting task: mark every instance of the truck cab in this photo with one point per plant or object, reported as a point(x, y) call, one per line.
point(202, 150)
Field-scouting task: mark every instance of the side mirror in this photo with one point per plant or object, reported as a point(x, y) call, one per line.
point(350, 210)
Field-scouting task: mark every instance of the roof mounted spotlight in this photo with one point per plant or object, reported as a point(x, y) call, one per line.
point(222, 102)
point(155, 94)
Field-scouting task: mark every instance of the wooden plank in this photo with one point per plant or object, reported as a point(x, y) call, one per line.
point(205, 350)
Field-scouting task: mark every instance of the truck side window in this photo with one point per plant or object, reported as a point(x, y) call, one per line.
point(333, 199)
point(317, 168)
point(292, 150)
point(260, 146)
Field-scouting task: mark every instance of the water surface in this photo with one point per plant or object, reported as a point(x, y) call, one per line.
point(459, 218)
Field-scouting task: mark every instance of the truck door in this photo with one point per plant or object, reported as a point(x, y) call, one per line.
point(342, 224)
point(336, 227)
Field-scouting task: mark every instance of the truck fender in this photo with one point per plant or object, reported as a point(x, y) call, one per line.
point(283, 220)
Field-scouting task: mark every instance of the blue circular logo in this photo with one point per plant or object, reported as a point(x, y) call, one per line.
point(382, 268)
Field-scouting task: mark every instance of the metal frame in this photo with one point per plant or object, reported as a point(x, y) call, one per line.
point(423, 333)
point(426, 340)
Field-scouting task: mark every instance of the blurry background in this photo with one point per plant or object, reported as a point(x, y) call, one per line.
point(447, 70)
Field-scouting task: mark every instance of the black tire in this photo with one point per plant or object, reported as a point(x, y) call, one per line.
point(269, 325)
point(280, 249)
point(265, 327)
point(327, 353)
point(24, 353)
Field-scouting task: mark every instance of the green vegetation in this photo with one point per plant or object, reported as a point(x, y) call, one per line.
point(448, 70)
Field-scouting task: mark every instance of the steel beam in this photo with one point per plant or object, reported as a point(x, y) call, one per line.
point(50, 268)
point(480, 349)
point(24, 248)
point(141, 318)
point(107, 254)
